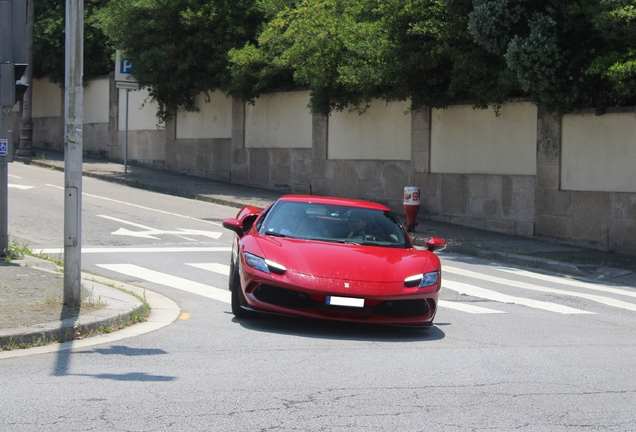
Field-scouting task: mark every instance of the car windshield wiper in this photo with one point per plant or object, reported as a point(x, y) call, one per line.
point(275, 234)
point(348, 241)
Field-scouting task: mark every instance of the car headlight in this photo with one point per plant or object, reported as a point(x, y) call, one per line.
point(422, 280)
point(263, 264)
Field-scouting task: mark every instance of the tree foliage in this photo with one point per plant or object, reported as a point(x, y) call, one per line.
point(351, 51)
point(563, 54)
point(179, 48)
point(49, 41)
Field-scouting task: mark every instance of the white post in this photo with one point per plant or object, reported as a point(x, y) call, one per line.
point(126, 146)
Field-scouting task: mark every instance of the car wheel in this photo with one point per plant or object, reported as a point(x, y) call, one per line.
point(238, 298)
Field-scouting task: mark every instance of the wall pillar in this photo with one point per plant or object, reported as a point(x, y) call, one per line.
point(239, 171)
point(553, 206)
point(421, 140)
point(322, 180)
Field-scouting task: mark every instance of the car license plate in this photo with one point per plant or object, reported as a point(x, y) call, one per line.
point(345, 301)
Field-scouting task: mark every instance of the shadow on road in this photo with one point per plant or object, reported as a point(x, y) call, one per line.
point(339, 330)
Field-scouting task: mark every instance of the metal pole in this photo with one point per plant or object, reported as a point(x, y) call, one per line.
point(6, 86)
point(126, 141)
point(4, 184)
point(26, 121)
point(73, 122)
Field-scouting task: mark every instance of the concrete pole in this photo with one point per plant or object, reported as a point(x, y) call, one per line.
point(6, 88)
point(73, 123)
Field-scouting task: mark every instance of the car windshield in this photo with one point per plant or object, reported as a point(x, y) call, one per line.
point(333, 223)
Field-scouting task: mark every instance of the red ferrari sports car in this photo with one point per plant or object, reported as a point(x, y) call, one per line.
point(331, 258)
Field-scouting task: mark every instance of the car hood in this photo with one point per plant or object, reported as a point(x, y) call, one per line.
point(345, 261)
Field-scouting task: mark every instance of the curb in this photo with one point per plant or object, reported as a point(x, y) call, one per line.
point(121, 307)
point(521, 260)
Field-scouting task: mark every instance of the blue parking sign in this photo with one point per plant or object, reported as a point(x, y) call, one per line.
point(3, 146)
point(125, 67)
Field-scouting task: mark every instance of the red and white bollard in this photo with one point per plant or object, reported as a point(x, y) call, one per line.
point(411, 206)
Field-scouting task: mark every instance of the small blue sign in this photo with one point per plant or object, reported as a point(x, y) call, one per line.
point(125, 67)
point(3, 146)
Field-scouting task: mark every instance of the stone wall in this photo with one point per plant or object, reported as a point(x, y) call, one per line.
point(516, 203)
point(601, 220)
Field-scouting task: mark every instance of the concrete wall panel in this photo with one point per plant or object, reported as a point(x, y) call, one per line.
point(142, 114)
point(214, 120)
point(469, 141)
point(47, 99)
point(383, 132)
point(599, 152)
point(95, 101)
point(279, 120)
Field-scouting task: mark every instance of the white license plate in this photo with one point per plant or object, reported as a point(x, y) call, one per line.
point(345, 301)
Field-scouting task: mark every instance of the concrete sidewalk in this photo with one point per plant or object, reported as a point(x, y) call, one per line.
point(530, 252)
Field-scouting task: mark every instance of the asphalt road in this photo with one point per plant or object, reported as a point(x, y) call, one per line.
point(511, 349)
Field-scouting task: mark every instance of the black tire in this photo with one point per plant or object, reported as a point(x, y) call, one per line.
point(238, 298)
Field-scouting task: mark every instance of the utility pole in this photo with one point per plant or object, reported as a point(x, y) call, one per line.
point(12, 59)
point(73, 123)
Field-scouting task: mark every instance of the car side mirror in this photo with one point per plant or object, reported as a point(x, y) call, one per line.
point(436, 244)
point(234, 225)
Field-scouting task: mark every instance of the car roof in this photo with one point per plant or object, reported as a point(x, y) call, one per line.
point(314, 199)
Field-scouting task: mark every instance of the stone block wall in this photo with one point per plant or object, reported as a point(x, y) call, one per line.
point(502, 203)
point(525, 205)
point(48, 133)
point(601, 220)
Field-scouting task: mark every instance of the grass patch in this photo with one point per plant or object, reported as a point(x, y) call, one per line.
point(15, 251)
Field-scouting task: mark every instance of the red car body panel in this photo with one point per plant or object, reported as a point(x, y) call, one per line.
point(317, 269)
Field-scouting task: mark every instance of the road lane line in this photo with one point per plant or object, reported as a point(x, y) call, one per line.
point(149, 231)
point(213, 267)
point(596, 298)
point(22, 187)
point(463, 307)
point(165, 279)
point(136, 250)
point(142, 207)
point(474, 291)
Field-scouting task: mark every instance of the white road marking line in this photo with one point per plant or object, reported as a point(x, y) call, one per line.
point(599, 299)
point(165, 279)
point(474, 291)
point(463, 307)
point(213, 267)
point(14, 176)
point(149, 231)
point(22, 187)
point(136, 250)
point(562, 280)
point(142, 207)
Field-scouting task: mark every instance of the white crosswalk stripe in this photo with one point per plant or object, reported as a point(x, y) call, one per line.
point(170, 281)
point(629, 292)
point(474, 291)
point(119, 250)
point(592, 297)
point(213, 267)
point(463, 307)
point(22, 187)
